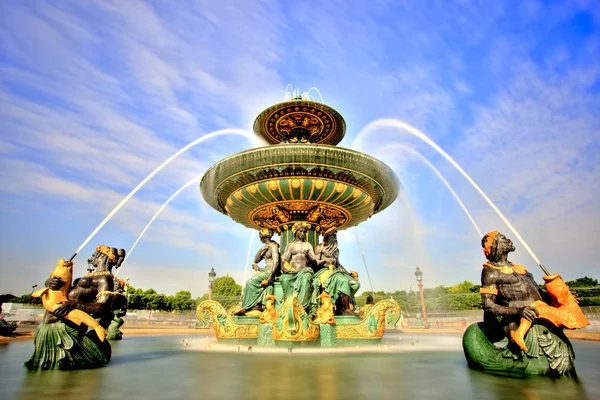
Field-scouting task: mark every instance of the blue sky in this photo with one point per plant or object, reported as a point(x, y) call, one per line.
point(94, 95)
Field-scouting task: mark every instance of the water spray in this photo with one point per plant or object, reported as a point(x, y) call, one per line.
point(439, 174)
point(248, 258)
point(165, 204)
point(394, 123)
point(228, 131)
point(364, 260)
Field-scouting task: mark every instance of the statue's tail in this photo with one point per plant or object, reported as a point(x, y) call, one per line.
point(100, 332)
point(482, 354)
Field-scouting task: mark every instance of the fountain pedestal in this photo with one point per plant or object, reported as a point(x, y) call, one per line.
point(302, 179)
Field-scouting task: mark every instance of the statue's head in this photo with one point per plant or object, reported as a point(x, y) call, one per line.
point(105, 258)
point(299, 230)
point(265, 234)
point(330, 236)
point(495, 245)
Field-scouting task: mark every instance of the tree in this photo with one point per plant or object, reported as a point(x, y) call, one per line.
point(463, 287)
point(201, 299)
point(182, 301)
point(226, 291)
point(584, 282)
point(26, 299)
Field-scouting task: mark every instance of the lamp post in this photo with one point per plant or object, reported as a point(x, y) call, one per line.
point(211, 280)
point(32, 290)
point(419, 275)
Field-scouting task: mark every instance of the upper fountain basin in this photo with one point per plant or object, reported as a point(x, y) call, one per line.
point(328, 186)
point(300, 120)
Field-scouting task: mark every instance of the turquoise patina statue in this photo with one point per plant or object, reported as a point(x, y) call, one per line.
point(333, 278)
point(512, 299)
point(260, 285)
point(297, 272)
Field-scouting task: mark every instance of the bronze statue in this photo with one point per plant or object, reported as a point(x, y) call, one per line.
point(260, 285)
point(334, 279)
point(511, 297)
point(62, 341)
point(297, 272)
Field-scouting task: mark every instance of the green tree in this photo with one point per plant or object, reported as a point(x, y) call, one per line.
point(26, 299)
point(182, 301)
point(201, 299)
point(587, 290)
point(226, 291)
point(463, 287)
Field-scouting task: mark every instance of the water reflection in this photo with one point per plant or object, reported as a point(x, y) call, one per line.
point(161, 367)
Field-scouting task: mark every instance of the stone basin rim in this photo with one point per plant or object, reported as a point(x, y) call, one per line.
point(378, 172)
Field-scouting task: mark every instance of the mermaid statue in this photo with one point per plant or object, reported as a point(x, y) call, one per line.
point(515, 308)
point(63, 340)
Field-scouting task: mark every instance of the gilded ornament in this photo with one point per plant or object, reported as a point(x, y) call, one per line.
point(295, 183)
point(293, 323)
point(270, 313)
point(372, 326)
point(273, 185)
point(223, 325)
point(325, 311)
point(238, 195)
point(319, 184)
point(340, 187)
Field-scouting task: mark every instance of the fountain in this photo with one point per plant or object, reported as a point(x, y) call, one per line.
point(300, 186)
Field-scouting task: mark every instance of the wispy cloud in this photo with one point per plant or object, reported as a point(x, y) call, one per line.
point(94, 95)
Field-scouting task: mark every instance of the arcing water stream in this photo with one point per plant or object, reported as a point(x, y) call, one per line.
point(165, 204)
point(222, 132)
point(439, 174)
point(395, 123)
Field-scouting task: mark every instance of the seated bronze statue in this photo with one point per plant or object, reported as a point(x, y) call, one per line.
point(333, 278)
point(260, 285)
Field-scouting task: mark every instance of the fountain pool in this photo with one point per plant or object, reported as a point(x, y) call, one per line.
point(427, 366)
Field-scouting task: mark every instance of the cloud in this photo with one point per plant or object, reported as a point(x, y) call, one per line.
point(94, 96)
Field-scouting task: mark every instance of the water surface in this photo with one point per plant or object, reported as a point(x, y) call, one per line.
point(405, 366)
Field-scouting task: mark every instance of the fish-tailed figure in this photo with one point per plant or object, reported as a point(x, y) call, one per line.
point(63, 340)
point(517, 309)
point(52, 299)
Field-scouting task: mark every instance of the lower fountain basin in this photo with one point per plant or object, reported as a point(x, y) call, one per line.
point(428, 366)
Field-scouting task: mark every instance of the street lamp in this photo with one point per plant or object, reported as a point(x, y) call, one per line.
point(419, 275)
point(211, 280)
point(32, 290)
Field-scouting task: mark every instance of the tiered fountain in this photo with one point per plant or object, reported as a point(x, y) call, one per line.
point(300, 177)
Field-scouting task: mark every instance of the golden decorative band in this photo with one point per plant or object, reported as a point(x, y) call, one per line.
point(104, 293)
point(488, 290)
point(96, 273)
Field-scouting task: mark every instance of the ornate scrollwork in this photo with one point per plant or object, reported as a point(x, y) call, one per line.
point(293, 323)
point(270, 313)
point(223, 325)
point(326, 216)
point(325, 311)
point(372, 326)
